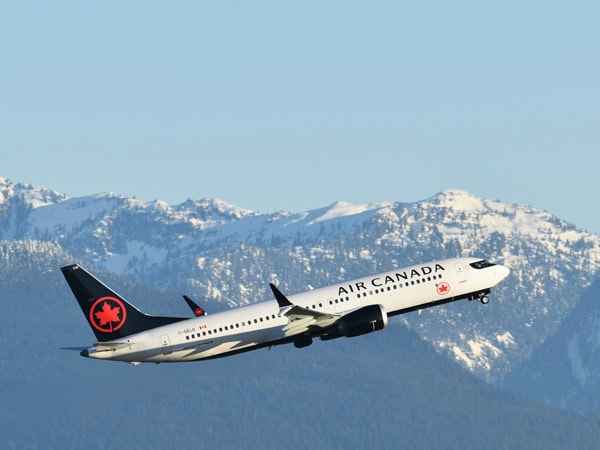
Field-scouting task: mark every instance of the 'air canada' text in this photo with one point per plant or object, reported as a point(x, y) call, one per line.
point(391, 278)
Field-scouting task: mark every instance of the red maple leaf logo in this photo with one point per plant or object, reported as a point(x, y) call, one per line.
point(107, 314)
point(443, 288)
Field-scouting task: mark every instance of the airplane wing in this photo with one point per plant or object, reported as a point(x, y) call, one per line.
point(301, 319)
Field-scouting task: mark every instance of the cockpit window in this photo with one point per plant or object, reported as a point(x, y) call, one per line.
point(482, 264)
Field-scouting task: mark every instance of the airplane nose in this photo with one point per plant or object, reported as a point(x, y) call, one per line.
point(502, 272)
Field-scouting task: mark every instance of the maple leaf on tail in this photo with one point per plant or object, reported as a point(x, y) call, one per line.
point(108, 315)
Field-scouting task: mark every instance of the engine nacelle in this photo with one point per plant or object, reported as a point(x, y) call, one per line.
point(362, 321)
point(303, 341)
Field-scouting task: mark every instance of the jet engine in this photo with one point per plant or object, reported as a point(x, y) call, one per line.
point(362, 321)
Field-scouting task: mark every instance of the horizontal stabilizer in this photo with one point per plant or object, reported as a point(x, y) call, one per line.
point(105, 346)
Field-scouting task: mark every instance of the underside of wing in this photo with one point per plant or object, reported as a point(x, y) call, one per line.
point(301, 320)
point(307, 324)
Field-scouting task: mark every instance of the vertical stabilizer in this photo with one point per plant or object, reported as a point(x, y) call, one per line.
point(110, 316)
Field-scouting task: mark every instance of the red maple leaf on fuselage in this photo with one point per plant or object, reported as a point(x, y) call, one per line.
point(443, 288)
point(108, 314)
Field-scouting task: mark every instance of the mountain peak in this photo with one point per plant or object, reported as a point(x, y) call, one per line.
point(33, 196)
point(215, 207)
point(459, 200)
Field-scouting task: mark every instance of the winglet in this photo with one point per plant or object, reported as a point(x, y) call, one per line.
point(281, 299)
point(197, 310)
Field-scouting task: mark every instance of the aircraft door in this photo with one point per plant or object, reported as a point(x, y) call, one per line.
point(166, 344)
point(461, 273)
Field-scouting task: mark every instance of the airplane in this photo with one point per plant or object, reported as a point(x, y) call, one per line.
point(347, 309)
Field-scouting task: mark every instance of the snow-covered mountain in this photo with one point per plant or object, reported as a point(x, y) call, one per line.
point(224, 255)
point(385, 390)
point(565, 371)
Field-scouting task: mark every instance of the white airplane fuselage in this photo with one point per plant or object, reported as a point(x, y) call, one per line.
point(267, 323)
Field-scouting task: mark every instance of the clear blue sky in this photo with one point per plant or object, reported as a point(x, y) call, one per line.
point(294, 105)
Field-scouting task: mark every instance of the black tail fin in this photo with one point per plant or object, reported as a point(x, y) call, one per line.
point(110, 315)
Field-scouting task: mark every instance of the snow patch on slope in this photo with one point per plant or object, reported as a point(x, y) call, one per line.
point(142, 252)
point(479, 352)
point(70, 214)
point(344, 209)
point(506, 339)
